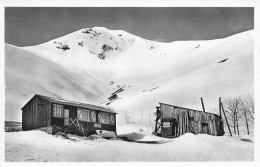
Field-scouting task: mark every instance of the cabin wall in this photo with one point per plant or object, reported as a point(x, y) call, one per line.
point(56, 120)
point(90, 126)
point(177, 121)
point(36, 114)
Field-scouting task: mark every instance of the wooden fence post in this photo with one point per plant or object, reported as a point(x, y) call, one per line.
point(225, 115)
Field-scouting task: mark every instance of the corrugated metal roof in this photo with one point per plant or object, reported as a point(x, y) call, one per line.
point(76, 104)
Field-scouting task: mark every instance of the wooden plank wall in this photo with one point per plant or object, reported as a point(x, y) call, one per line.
point(28, 112)
point(43, 113)
point(189, 120)
point(36, 114)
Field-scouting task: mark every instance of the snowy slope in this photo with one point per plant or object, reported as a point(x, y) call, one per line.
point(26, 74)
point(90, 64)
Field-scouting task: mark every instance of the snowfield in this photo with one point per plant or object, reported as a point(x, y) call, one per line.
point(42, 147)
point(92, 64)
point(99, 61)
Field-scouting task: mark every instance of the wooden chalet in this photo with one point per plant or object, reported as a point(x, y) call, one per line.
point(173, 121)
point(44, 111)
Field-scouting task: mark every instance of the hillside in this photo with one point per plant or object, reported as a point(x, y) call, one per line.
point(91, 64)
point(12, 124)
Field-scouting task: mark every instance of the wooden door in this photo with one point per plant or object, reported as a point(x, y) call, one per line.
point(205, 127)
point(175, 127)
point(66, 117)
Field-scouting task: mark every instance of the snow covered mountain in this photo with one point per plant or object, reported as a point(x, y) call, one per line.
point(128, 73)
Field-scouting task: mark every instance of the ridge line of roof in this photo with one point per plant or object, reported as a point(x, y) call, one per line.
point(188, 108)
point(74, 103)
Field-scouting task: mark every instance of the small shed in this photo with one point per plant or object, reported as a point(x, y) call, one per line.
point(173, 121)
point(44, 111)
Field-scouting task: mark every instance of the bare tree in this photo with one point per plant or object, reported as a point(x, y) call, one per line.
point(236, 117)
point(232, 106)
point(240, 111)
point(247, 110)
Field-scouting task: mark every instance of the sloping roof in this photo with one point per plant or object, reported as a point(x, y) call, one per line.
point(188, 109)
point(76, 104)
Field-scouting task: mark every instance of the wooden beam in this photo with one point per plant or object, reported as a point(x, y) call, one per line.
point(202, 104)
point(157, 119)
point(158, 128)
point(220, 108)
point(225, 115)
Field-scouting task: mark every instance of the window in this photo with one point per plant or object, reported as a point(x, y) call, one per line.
point(57, 111)
point(79, 114)
point(93, 116)
point(66, 117)
point(105, 118)
point(100, 118)
point(112, 119)
point(83, 114)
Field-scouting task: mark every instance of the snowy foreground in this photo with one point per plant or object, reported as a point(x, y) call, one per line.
point(40, 146)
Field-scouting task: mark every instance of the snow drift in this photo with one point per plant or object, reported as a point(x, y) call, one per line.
point(39, 146)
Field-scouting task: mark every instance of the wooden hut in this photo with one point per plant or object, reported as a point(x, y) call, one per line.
point(44, 111)
point(173, 121)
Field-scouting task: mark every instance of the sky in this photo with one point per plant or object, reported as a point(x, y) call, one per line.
point(27, 26)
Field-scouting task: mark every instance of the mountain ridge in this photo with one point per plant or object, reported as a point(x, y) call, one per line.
point(145, 72)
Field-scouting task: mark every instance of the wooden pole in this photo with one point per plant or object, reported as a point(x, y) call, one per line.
point(225, 116)
point(220, 108)
point(157, 119)
point(221, 124)
point(202, 104)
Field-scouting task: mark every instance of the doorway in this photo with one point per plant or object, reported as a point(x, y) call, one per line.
point(66, 117)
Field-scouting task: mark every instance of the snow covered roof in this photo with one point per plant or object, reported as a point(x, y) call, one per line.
point(76, 104)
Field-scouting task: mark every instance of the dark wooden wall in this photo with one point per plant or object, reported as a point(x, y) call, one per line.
point(36, 113)
point(85, 124)
point(183, 120)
